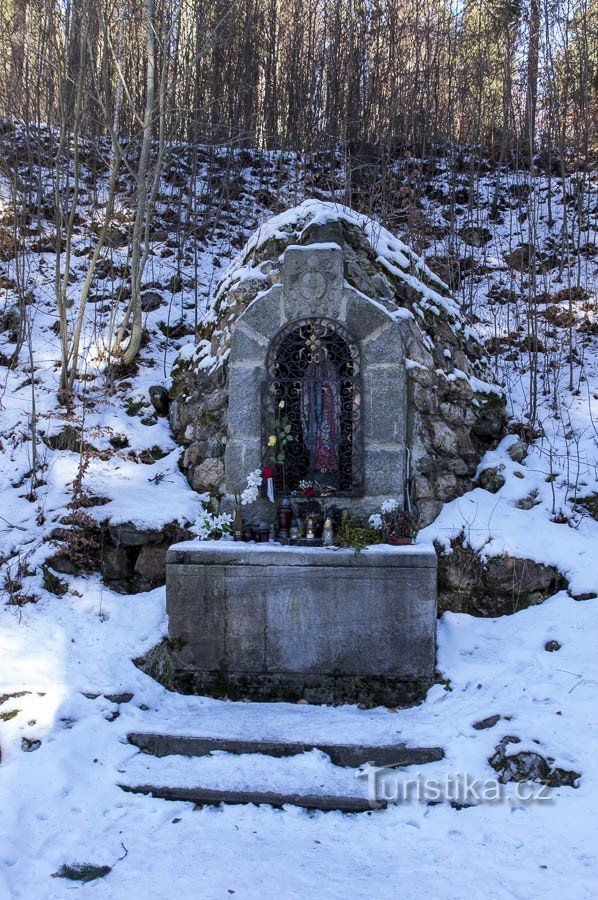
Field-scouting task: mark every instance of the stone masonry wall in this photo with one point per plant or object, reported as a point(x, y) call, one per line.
point(455, 413)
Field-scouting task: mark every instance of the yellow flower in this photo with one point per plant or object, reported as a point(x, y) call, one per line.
point(271, 441)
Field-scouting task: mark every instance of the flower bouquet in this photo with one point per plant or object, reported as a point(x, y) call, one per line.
point(398, 525)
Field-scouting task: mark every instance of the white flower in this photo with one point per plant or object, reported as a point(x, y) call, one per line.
point(376, 521)
point(251, 491)
point(207, 523)
point(389, 506)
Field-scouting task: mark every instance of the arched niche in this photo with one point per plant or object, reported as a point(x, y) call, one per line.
point(377, 342)
point(311, 409)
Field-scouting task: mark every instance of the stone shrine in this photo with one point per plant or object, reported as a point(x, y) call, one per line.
point(324, 301)
point(335, 358)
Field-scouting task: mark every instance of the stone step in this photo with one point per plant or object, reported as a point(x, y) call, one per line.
point(211, 797)
point(353, 755)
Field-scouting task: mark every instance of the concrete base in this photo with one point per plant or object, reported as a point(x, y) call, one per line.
point(267, 622)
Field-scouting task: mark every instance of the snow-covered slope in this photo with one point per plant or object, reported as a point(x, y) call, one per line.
point(61, 656)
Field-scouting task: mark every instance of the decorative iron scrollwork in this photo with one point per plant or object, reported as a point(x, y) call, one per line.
point(312, 408)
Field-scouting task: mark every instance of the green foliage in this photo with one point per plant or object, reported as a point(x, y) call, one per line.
point(353, 533)
point(82, 872)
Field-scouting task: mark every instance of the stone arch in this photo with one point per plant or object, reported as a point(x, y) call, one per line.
point(311, 362)
point(384, 383)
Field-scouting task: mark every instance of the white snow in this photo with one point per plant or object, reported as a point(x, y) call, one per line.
point(61, 803)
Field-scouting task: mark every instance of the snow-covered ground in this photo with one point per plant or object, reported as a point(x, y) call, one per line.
point(60, 802)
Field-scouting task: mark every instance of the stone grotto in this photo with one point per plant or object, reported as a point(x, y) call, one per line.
point(335, 363)
point(322, 288)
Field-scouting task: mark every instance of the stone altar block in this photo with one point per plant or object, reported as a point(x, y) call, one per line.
point(273, 622)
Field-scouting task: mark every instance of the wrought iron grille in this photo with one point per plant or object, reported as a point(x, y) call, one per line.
point(312, 408)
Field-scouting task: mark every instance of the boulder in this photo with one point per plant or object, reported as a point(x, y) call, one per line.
point(126, 534)
point(63, 564)
point(475, 236)
point(151, 563)
point(116, 563)
point(151, 301)
point(521, 577)
point(521, 258)
point(492, 479)
point(589, 504)
point(529, 766)
point(159, 399)
point(490, 417)
point(489, 722)
point(498, 586)
point(208, 476)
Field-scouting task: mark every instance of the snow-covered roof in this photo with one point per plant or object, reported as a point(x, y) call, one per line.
point(291, 227)
point(379, 265)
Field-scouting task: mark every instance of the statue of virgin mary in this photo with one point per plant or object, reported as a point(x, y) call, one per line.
point(320, 415)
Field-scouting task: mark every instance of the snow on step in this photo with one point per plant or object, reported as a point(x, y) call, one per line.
point(207, 796)
point(340, 754)
point(307, 773)
point(297, 723)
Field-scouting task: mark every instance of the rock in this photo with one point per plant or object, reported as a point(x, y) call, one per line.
point(125, 697)
point(151, 563)
point(70, 438)
point(522, 576)
point(492, 479)
point(552, 646)
point(175, 284)
point(10, 320)
point(444, 439)
point(518, 451)
point(128, 535)
point(28, 745)
point(63, 564)
point(529, 766)
point(448, 269)
point(119, 441)
point(116, 563)
point(589, 504)
point(151, 455)
point(52, 583)
point(159, 398)
point(195, 453)
point(520, 258)
point(208, 476)
point(500, 586)
point(524, 766)
point(490, 722)
point(475, 236)
point(490, 417)
point(151, 301)
point(528, 502)
point(445, 486)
